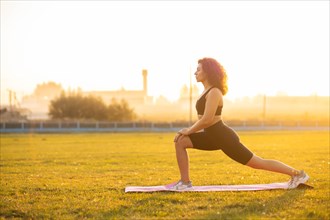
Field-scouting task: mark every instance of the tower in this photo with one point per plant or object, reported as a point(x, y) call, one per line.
point(145, 81)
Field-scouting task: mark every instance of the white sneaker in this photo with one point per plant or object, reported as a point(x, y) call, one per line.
point(300, 178)
point(181, 186)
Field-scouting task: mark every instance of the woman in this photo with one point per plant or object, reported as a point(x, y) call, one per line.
point(210, 133)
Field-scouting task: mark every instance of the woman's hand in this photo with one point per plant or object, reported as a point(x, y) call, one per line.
point(181, 133)
point(184, 131)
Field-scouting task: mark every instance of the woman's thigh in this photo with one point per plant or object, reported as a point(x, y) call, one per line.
point(205, 141)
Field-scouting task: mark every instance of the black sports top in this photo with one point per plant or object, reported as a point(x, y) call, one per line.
point(200, 105)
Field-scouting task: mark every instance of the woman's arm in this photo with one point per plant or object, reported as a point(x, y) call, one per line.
point(213, 99)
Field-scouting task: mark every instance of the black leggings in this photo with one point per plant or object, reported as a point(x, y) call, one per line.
point(221, 137)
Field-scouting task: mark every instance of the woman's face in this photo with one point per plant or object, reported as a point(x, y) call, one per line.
point(200, 74)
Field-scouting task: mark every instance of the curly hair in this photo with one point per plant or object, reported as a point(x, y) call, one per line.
point(216, 74)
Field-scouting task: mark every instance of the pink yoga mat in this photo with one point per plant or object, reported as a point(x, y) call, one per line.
point(252, 187)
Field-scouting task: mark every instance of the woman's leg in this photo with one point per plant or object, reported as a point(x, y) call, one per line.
point(240, 153)
point(271, 165)
point(181, 145)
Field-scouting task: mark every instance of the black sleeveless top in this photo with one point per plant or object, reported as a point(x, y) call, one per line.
point(200, 105)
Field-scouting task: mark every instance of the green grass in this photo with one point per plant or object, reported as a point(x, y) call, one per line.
point(74, 176)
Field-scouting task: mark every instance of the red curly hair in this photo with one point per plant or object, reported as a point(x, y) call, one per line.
point(216, 74)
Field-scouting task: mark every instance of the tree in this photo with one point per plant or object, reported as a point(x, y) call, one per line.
point(120, 111)
point(67, 106)
point(94, 108)
point(75, 106)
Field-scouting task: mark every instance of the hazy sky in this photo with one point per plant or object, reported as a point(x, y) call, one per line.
point(266, 46)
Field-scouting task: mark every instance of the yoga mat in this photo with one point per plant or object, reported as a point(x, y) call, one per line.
point(253, 187)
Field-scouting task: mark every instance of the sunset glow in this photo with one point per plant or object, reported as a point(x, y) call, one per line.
point(267, 47)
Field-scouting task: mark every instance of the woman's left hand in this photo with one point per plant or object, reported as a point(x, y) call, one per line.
point(184, 131)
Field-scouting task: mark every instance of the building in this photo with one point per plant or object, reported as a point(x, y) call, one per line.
point(134, 98)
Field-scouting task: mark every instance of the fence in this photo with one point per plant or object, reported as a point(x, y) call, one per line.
point(78, 126)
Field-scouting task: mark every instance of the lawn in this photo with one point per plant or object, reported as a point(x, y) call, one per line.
point(75, 176)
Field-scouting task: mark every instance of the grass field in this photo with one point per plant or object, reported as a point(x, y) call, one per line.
point(76, 176)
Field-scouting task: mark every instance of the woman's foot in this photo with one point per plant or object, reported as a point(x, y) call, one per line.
point(300, 178)
point(182, 186)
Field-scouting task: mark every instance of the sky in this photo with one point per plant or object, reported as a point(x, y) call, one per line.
point(266, 47)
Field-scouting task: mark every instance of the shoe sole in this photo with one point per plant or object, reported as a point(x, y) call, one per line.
point(183, 190)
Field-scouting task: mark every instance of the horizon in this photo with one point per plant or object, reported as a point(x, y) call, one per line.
point(155, 98)
point(263, 53)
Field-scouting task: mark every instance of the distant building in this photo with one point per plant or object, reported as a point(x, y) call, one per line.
point(185, 93)
point(133, 97)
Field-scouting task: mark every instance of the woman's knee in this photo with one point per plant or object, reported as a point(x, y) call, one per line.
point(183, 142)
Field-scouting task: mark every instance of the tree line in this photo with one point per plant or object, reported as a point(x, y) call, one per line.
point(73, 105)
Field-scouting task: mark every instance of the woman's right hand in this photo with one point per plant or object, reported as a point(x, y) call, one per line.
point(177, 137)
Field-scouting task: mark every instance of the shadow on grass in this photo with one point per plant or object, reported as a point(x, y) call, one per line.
point(165, 204)
point(145, 206)
point(257, 208)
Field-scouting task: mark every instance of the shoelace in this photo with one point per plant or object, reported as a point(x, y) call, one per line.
point(294, 179)
point(181, 184)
